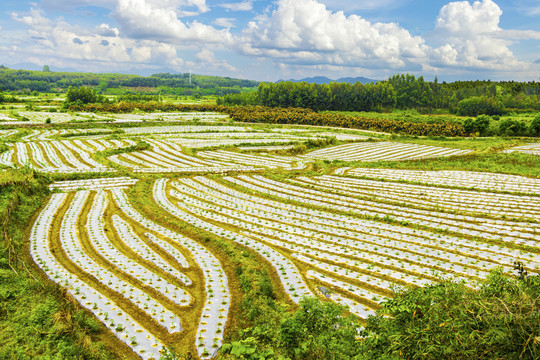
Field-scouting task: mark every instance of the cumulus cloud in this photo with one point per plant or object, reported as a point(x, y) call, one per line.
point(106, 30)
point(474, 39)
point(305, 31)
point(35, 19)
point(150, 19)
point(159, 20)
point(292, 34)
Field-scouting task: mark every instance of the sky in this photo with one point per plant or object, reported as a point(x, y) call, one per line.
point(281, 39)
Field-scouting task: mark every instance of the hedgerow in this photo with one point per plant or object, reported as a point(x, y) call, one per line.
point(260, 114)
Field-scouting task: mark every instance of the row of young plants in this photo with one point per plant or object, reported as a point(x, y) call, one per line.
point(271, 225)
point(167, 156)
point(59, 155)
point(470, 202)
point(225, 205)
point(122, 272)
point(506, 232)
point(380, 151)
point(452, 178)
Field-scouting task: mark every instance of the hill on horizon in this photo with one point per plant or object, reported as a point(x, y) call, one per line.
point(326, 80)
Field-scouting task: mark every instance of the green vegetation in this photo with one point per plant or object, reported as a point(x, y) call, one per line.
point(475, 106)
point(443, 321)
point(451, 321)
point(308, 117)
point(82, 95)
point(139, 146)
point(26, 81)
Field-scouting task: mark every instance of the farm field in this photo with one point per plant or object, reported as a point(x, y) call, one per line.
point(142, 211)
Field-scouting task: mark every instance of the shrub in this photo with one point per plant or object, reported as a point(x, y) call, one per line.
point(319, 330)
point(512, 127)
point(451, 321)
point(478, 125)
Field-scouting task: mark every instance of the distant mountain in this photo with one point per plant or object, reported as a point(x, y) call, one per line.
point(360, 79)
point(325, 80)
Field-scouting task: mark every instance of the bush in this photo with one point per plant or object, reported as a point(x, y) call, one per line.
point(480, 105)
point(512, 127)
point(448, 320)
point(534, 128)
point(478, 125)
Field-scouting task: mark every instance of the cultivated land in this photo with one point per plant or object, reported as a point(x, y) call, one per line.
point(147, 210)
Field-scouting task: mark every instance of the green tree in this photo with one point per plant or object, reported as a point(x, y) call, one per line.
point(478, 125)
point(83, 94)
point(534, 128)
point(479, 105)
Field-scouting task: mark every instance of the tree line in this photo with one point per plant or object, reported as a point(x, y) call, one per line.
point(403, 91)
point(177, 84)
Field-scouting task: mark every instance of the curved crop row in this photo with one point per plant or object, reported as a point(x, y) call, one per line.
point(131, 273)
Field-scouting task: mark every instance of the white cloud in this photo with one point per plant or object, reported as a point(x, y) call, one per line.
point(35, 19)
point(305, 31)
point(517, 34)
point(473, 38)
point(534, 10)
point(363, 4)
point(207, 60)
point(225, 22)
point(240, 6)
point(106, 30)
point(60, 43)
point(158, 20)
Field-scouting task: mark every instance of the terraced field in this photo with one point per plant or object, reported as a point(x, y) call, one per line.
point(143, 281)
point(60, 156)
point(351, 235)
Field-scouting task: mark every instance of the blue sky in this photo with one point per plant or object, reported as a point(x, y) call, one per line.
point(282, 39)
